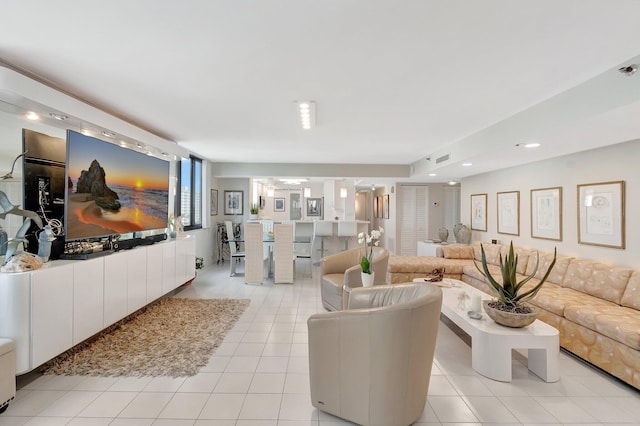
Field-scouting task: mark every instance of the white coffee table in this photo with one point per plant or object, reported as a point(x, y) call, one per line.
point(491, 344)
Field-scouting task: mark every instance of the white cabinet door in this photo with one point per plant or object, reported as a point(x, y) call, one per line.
point(88, 298)
point(115, 288)
point(136, 279)
point(155, 255)
point(168, 266)
point(185, 259)
point(52, 312)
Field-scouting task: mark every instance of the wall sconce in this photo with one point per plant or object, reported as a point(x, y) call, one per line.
point(270, 191)
point(307, 192)
point(343, 192)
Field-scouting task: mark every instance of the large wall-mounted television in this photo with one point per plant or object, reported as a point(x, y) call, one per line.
point(112, 190)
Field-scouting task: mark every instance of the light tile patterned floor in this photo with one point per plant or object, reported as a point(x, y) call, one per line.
point(259, 377)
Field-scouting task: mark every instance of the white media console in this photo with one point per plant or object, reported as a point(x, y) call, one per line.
point(50, 310)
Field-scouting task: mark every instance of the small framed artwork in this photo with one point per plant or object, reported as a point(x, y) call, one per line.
point(509, 213)
point(314, 206)
point(233, 202)
point(546, 213)
point(479, 212)
point(278, 204)
point(376, 200)
point(214, 202)
point(601, 214)
point(385, 207)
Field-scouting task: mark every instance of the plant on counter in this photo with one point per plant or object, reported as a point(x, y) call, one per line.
point(510, 298)
point(254, 209)
point(369, 242)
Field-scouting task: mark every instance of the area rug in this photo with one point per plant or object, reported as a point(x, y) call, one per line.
point(174, 337)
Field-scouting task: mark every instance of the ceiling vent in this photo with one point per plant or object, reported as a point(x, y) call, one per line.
point(442, 159)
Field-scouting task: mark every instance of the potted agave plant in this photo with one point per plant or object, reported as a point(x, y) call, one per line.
point(510, 308)
point(253, 211)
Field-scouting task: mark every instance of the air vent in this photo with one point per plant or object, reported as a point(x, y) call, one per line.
point(442, 159)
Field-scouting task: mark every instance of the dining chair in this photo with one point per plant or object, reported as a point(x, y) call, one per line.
point(236, 255)
point(254, 248)
point(283, 256)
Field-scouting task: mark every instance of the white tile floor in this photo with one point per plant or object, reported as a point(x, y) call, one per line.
point(259, 377)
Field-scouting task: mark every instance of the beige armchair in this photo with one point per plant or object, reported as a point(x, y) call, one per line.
point(371, 364)
point(342, 270)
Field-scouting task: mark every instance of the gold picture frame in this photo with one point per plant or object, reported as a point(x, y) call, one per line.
point(546, 213)
point(601, 214)
point(479, 212)
point(508, 209)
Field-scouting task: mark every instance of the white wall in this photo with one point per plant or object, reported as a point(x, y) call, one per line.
point(613, 163)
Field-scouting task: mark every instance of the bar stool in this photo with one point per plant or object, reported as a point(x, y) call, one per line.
point(322, 229)
point(347, 229)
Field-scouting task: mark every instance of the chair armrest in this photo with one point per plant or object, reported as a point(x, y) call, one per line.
point(353, 277)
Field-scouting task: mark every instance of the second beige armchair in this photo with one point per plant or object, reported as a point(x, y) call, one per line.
point(341, 273)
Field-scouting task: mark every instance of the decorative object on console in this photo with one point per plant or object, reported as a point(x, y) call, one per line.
point(21, 262)
point(45, 238)
point(10, 174)
point(511, 303)
point(462, 234)
point(369, 242)
point(443, 234)
point(179, 226)
point(171, 226)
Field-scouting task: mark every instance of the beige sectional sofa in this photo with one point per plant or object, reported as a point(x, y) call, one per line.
point(595, 306)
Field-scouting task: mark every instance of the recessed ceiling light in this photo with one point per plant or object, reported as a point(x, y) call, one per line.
point(307, 111)
point(531, 145)
point(85, 132)
point(453, 182)
point(432, 174)
point(108, 134)
point(629, 70)
point(32, 116)
point(467, 164)
point(57, 116)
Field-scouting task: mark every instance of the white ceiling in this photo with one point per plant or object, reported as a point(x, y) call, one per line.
point(395, 82)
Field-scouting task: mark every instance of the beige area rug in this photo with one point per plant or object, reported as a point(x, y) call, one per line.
point(173, 337)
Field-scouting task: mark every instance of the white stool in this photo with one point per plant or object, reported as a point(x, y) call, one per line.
point(7, 373)
point(347, 229)
point(322, 229)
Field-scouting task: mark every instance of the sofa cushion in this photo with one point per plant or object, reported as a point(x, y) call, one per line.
point(491, 251)
point(597, 279)
point(631, 295)
point(555, 299)
point(415, 264)
point(618, 323)
point(557, 273)
point(457, 251)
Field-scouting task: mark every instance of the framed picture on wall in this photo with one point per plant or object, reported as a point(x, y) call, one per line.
point(601, 214)
point(509, 212)
point(278, 204)
point(375, 207)
point(314, 206)
point(385, 207)
point(233, 202)
point(214, 202)
point(546, 213)
point(479, 212)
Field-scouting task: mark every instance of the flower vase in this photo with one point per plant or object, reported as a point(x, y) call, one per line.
point(367, 279)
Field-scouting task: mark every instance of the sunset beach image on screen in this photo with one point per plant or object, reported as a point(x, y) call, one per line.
point(112, 190)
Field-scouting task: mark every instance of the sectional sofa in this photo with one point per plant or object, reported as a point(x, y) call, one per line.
point(595, 306)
